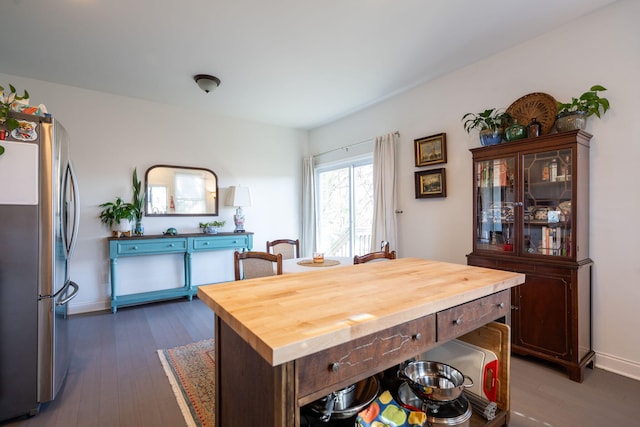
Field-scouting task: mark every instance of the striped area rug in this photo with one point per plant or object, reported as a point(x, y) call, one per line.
point(191, 372)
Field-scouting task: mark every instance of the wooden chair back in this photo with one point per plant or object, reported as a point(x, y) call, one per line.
point(249, 265)
point(384, 246)
point(361, 259)
point(289, 248)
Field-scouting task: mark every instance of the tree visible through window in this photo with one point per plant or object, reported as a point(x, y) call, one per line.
point(345, 207)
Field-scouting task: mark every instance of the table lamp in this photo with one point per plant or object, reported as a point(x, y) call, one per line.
point(239, 197)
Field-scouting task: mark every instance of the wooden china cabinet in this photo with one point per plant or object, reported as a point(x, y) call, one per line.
point(531, 215)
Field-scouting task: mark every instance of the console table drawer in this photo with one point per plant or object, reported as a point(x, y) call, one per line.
point(219, 242)
point(144, 247)
point(464, 318)
point(367, 354)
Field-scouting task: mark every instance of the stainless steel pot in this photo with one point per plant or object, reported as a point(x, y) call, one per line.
point(434, 380)
point(348, 401)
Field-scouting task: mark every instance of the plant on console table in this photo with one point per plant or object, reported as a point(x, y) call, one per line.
point(211, 227)
point(138, 203)
point(573, 115)
point(490, 123)
point(118, 215)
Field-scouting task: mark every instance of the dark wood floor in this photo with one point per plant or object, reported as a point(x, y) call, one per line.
point(116, 379)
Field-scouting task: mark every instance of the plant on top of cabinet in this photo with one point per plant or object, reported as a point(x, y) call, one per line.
point(490, 123)
point(138, 203)
point(573, 115)
point(118, 215)
point(5, 106)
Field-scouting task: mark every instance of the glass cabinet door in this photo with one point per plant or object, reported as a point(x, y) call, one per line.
point(547, 203)
point(495, 196)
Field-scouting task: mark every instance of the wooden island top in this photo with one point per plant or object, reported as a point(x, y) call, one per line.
point(287, 317)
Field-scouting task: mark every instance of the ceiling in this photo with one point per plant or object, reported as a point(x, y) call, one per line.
point(293, 63)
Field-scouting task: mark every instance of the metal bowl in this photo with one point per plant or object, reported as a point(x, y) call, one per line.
point(362, 395)
point(434, 380)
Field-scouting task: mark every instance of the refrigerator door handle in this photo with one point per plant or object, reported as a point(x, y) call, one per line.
point(70, 239)
point(75, 287)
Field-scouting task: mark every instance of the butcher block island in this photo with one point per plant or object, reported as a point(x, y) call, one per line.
point(285, 341)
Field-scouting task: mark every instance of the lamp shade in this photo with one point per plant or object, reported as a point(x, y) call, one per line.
point(238, 196)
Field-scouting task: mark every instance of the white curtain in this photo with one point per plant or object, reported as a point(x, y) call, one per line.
point(384, 192)
point(308, 239)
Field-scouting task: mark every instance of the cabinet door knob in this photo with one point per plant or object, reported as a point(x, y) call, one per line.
point(417, 337)
point(515, 307)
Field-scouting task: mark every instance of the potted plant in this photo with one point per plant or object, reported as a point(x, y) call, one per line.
point(138, 203)
point(118, 215)
point(490, 123)
point(5, 106)
point(573, 115)
point(211, 227)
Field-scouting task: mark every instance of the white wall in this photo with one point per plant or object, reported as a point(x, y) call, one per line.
point(601, 48)
point(112, 135)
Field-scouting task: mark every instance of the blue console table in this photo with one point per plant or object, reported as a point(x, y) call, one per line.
point(185, 244)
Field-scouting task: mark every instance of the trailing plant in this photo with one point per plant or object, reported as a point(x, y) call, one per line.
point(5, 106)
point(491, 118)
point(589, 102)
point(113, 212)
point(212, 224)
point(138, 196)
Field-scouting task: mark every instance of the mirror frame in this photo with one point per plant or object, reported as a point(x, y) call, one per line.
point(209, 171)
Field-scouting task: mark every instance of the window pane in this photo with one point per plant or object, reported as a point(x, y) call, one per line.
point(363, 208)
point(345, 208)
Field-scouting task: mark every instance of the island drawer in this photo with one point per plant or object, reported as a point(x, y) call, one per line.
point(152, 246)
point(464, 318)
point(369, 354)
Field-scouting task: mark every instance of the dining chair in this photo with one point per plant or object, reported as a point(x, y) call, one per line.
point(289, 248)
point(252, 264)
point(384, 246)
point(379, 255)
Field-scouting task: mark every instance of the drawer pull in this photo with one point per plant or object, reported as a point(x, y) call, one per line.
point(417, 337)
point(334, 367)
point(501, 305)
point(458, 321)
point(171, 245)
point(206, 243)
point(134, 248)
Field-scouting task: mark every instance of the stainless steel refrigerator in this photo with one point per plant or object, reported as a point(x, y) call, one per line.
point(38, 230)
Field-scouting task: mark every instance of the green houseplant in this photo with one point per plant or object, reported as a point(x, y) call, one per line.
point(138, 203)
point(490, 123)
point(573, 115)
point(118, 215)
point(5, 106)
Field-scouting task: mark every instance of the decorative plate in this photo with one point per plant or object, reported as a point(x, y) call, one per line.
point(26, 131)
point(537, 105)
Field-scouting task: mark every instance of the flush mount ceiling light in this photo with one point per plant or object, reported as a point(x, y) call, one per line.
point(206, 82)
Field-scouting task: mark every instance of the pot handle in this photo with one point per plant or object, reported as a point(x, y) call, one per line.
point(466, 377)
point(328, 409)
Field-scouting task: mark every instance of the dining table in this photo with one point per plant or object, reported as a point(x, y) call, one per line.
point(299, 265)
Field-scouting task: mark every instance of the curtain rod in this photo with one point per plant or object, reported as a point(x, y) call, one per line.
point(346, 147)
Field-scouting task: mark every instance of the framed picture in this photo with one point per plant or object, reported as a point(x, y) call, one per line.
point(431, 183)
point(431, 150)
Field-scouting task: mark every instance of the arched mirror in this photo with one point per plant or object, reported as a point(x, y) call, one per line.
point(179, 190)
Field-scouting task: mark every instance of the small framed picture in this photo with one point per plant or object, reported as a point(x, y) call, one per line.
point(431, 183)
point(431, 150)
